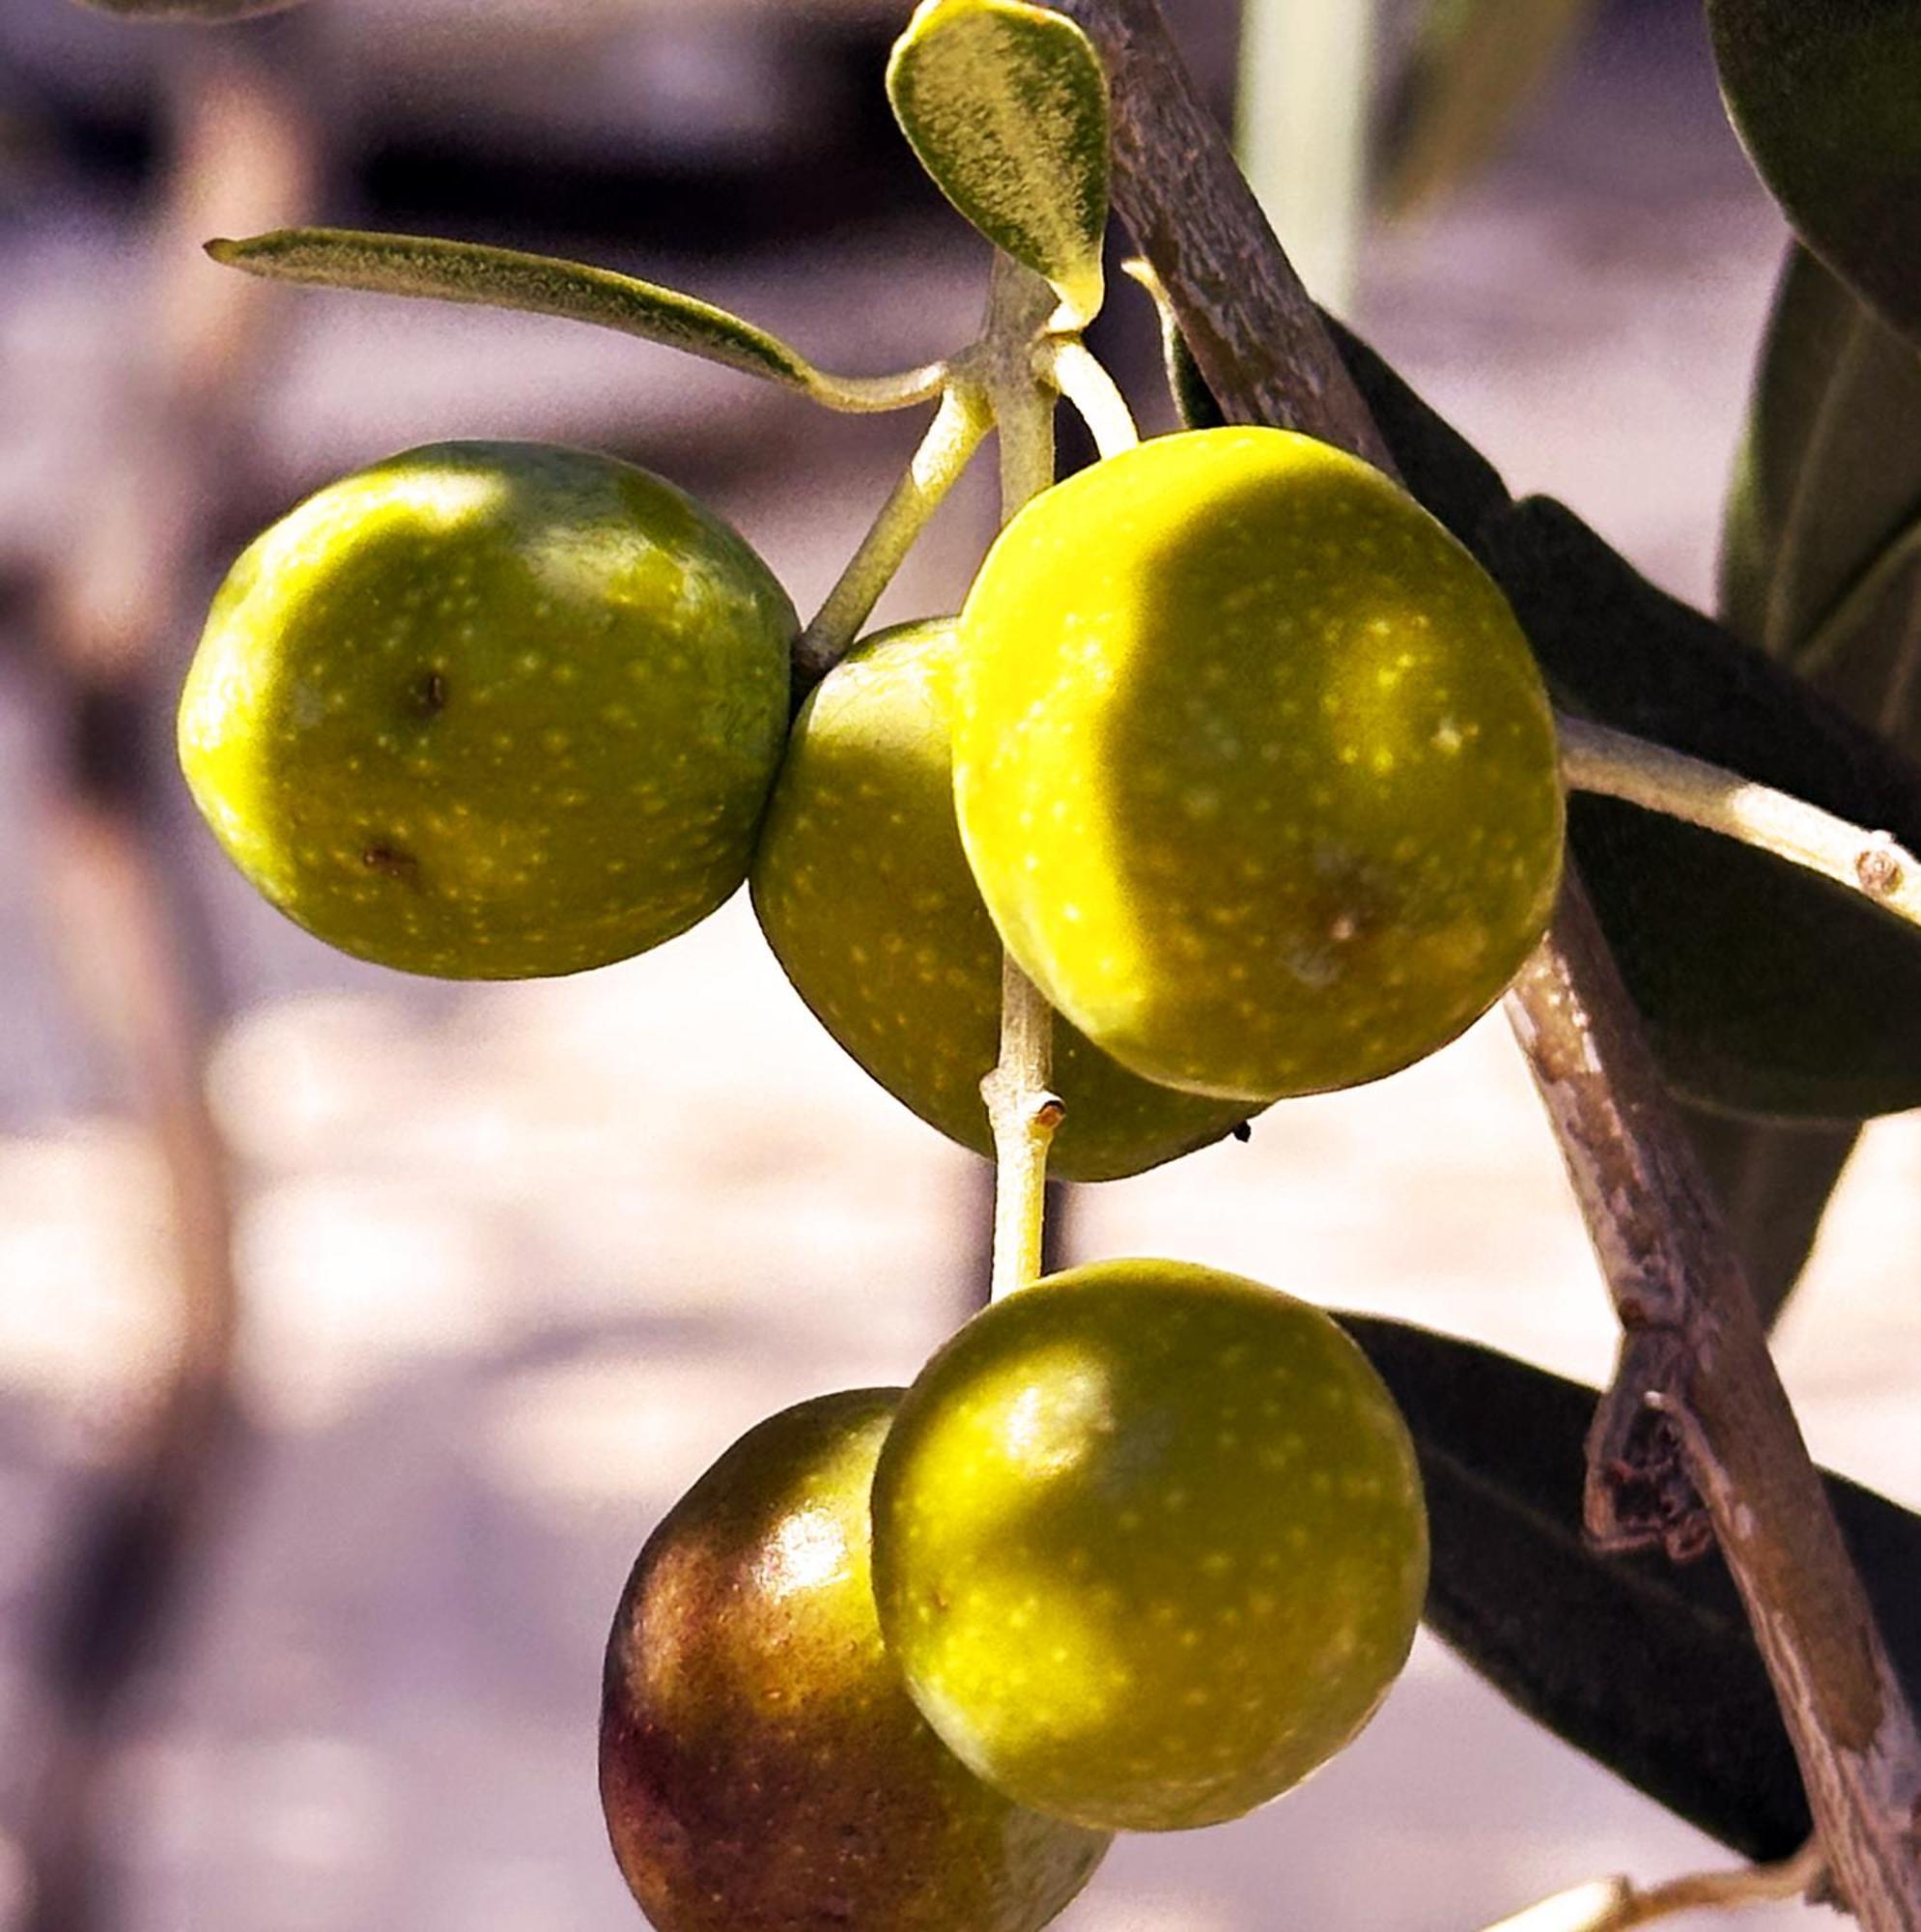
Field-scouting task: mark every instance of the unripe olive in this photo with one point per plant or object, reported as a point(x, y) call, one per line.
point(1150, 1544)
point(1253, 765)
point(865, 894)
point(491, 711)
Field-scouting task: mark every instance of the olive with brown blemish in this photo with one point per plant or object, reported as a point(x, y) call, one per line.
point(491, 711)
point(762, 1769)
point(1253, 765)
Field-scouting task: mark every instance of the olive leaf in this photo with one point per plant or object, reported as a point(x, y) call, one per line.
point(1007, 106)
point(1821, 567)
point(467, 271)
point(1824, 95)
point(1773, 1179)
point(1821, 562)
point(1647, 1666)
point(1443, 471)
point(1767, 990)
point(1475, 66)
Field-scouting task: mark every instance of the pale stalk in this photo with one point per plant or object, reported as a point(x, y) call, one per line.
point(1080, 377)
point(1022, 1109)
point(959, 426)
point(1614, 1905)
point(1595, 759)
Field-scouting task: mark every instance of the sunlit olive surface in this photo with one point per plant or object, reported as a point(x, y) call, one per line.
point(1253, 765)
point(865, 894)
point(1150, 1543)
point(491, 711)
point(762, 1769)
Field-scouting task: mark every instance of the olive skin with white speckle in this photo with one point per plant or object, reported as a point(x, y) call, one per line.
point(762, 1769)
point(865, 894)
point(1150, 1544)
point(1253, 765)
point(491, 711)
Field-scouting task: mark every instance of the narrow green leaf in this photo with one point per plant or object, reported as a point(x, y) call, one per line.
point(466, 272)
point(1820, 568)
point(1821, 562)
point(1475, 68)
point(1007, 106)
point(1647, 1666)
point(1767, 990)
point(1826, 97)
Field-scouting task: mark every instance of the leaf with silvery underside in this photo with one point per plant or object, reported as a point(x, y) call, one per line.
point(1647, 1666)
point(1826, 98)
point(487, 277)
point(1007, 106)
point(1767, 990)
point(1820, 568)
point(1475, 68)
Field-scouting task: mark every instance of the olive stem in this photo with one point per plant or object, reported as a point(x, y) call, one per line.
point(1595, 759)
point(1018, 365)
point(1083, 378)
point(1614, 1905)
point(959, 427)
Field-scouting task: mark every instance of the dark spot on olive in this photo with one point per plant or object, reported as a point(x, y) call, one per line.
point(430, 695)
point(1244, 1132)
point(393, 862)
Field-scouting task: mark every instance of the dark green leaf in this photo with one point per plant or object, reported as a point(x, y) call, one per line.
point(1767, 990)
point(1443, 471)
point(1007, 106)
point(1773, 1179)
point(1819, 569)
point(1473, 69)
point(1821, 553)
point(1826, 97)
point(1647, 1666)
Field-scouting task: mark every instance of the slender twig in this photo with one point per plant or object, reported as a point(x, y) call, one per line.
point(1083, 378)
point(1596, 758)
point(1267, 358)
point(244, 146)
point(1615, 1905)
point(960, 425)
point(1022, 1109)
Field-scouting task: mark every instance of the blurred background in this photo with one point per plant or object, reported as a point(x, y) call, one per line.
point(338, 1389)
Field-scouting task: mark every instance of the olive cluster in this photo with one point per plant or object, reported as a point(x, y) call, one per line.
point(1248, 766)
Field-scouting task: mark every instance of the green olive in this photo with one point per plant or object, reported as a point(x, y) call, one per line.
point(865, 894)
point(762, 1769)
point(1253, 765)
point(491, 711)
point(1150, 1544)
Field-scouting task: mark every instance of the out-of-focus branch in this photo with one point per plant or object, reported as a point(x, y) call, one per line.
point(243, 153)
point(1695, 1341)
